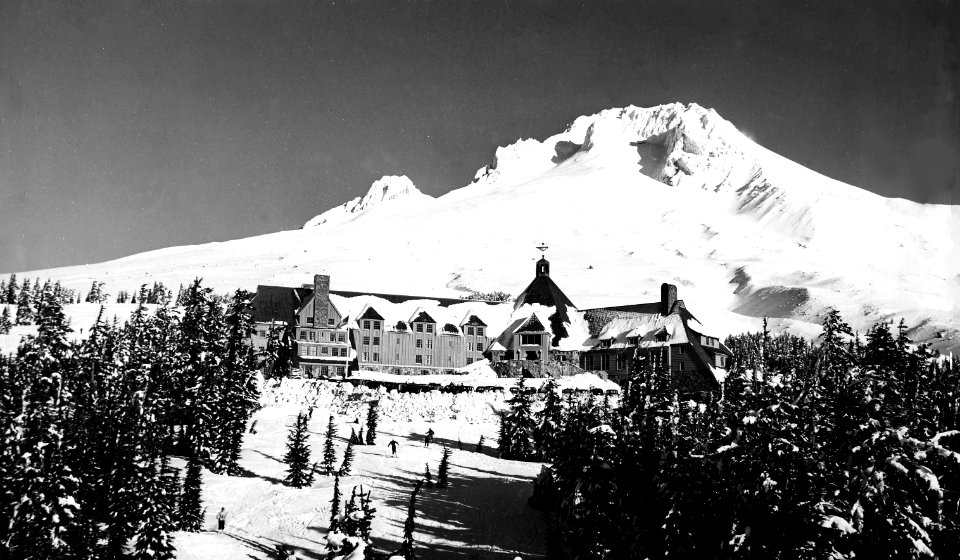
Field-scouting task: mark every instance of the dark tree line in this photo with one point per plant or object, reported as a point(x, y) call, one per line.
point(832, 449)
point(89, 427)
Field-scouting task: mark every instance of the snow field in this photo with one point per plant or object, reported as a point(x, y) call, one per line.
point(483, 514)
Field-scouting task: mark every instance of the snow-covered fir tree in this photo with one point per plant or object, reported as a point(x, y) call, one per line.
point(373, 416)
point(347, 463)
point(443, 470)
point(329, 452)
point(191, 505)
point(335, 506)
point(297, 457)
point(517, 425)
point(5, 322)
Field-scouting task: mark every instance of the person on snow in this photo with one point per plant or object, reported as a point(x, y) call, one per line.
point(221, 518)
point(428, 438)
point(393, 446)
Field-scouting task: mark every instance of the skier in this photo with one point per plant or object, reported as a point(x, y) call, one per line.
point(393, 446)
point(221, 518)
point(428, 438)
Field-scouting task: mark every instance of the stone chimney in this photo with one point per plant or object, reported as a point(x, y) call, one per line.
point(668, 296)
point(321, 299)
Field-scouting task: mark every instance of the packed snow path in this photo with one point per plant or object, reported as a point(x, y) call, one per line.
point(483, 514)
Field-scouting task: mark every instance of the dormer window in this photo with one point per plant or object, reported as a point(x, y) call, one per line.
point(662, 336)
point(479, 331)
point(469, 330)
point(419, 327)
point(606, 343)
point(429, 327)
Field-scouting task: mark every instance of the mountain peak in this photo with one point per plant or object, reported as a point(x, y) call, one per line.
point(387, 189)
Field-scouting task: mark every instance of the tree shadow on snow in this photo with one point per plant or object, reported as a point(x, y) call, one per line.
point(476, 517)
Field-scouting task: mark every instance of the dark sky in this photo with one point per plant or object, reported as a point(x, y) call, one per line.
point(134, 125)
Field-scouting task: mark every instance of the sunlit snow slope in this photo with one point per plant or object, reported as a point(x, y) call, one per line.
point(626, 199)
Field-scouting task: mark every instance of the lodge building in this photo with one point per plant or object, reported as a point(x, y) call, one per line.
point(541, 333)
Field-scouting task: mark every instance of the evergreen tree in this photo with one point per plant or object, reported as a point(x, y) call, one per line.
point(191, 513)
point(427, 477)
point(367, 510)
point(351, 516)
point(96, 294)
point(12, 290)
point(335, 506)
point(549, 422)
point(329, 453)
point(154, 536)
point(406, 548)
point(237, 392)
point(5, 322)
point(517, 426)
point(347, 460)
point(443, 469)
point(24, 305)
point(297, 457)
point(373, 416)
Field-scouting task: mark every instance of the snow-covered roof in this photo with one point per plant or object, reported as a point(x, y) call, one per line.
point(442, 312)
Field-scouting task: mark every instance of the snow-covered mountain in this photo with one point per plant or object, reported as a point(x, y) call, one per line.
point(397, 191)
point(626, 199)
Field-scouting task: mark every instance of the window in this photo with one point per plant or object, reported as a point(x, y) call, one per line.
point(621, 361)
point(376, 325)
point(530, 339)
point(339, 370)
point(419, 343)
point(341, 337)
point(263, 333)
point(366, 324)
point(682, 365)
point(479, 331)
point(398, 340)
point(366, 340)
point(429, 359)
point(343, 352)
point(419, 327)
point(469, 330)
point(418, 359)
point(311, 336)
point(303, 335)
point(376, 357)
point(479, 347)
point(376, 341)
point(429, 343)
point(309, 320)
point(605, 362)
point(429, 327)
point(324, 350)
point(680, 350)
point(469, 361)
point(398, 359)
point(330, 322)
point(302, 351)
point(324, 370)
point(366, 357)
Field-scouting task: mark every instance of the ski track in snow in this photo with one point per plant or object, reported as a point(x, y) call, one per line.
point(482, 515)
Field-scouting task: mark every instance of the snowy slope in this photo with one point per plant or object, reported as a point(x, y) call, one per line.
point(626, 199)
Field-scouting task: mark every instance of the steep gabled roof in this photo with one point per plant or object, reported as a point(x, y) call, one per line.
point(370, 313)
point(422, 317)
point(531, 324)
point(277, 303)
point(473, 320)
